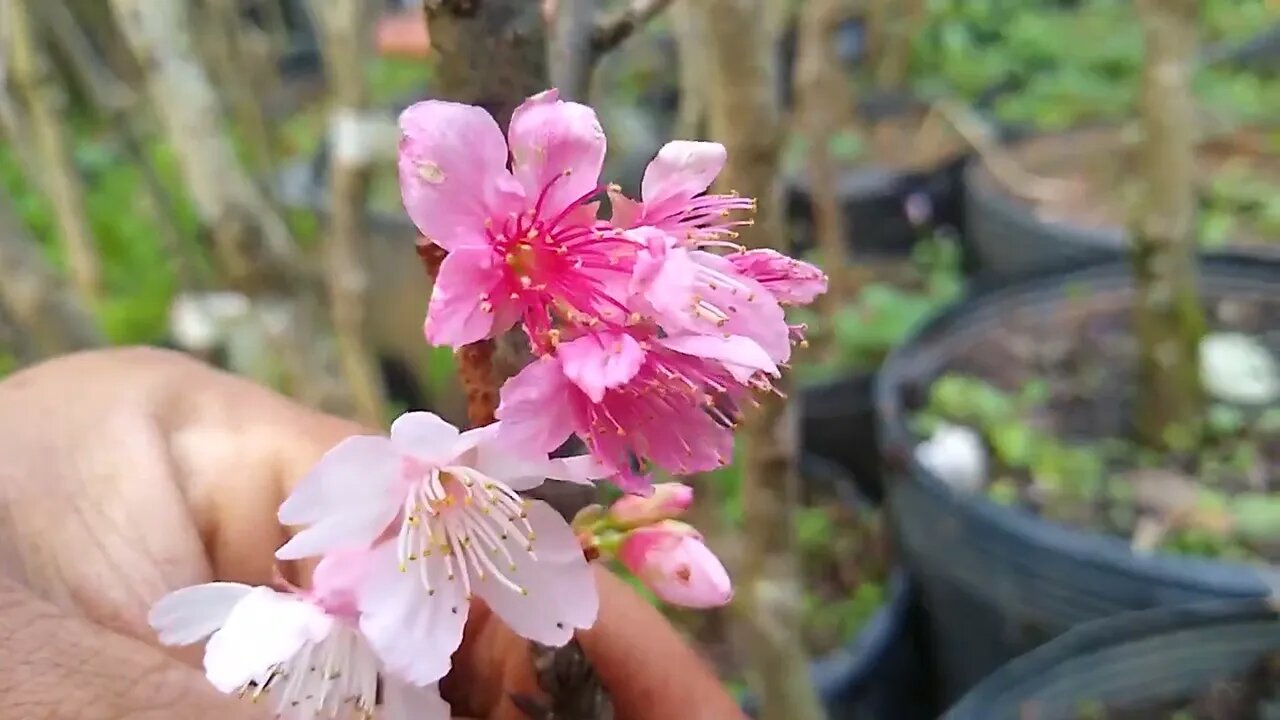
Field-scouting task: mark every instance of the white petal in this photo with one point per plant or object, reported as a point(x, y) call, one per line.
point(402, 701)
point(554, 540)
point(193, 613)
point(425, 435)
point(358, 471)
point(414, 633)
point(264, 629)
point(353, 529)
point(561, 597)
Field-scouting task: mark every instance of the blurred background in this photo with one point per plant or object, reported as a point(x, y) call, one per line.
point(218, 176)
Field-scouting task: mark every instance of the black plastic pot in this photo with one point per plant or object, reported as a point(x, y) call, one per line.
point(996, 580)
point(1135, 659)
point(1009, 240)
point(883, 673)
point(838, 422)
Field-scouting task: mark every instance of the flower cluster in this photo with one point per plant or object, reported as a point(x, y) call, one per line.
point(409, 528)
point(651, 329)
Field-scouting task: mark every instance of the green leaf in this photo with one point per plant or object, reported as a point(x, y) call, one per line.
point(1257, 516)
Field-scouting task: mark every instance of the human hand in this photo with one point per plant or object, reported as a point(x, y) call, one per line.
point(125, 474)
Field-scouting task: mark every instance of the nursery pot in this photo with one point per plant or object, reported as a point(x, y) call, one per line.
point(838, 423)
point(883, 672)
point(1009, 239)
point(997, 580)
point(1135, 660)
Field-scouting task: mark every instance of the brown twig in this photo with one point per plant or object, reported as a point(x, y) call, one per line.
point(610, 33)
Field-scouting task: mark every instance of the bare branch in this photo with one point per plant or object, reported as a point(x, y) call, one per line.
point(570, 58)
point(610, 33)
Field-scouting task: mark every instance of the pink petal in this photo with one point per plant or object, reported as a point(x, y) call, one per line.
point(413, 632)
point(264, 629)
point(402, 701)
point(681, 170)
point(601, 361)
point(426, 436)
point(359, 469)
point(464, 306)
point(626, 213)
point(452, 164)
point(561, 590)
point(337, 578)
point(671, 559)
point(743, 357)
point(558, 146)
point(790, 280)
point(753, 311)
point(535, 408)
point(193, 613)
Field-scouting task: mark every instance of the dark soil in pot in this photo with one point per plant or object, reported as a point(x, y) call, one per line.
point(858, 619)
point(1043, 374)
point(1217, 661)
point(1085, 187)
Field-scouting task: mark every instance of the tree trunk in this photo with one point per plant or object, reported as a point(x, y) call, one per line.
point(346, 30)
point(691, 117)
point(569, 56)
point(744, 115)
point(37, 86)
point(892, 25)
point(1169, 316)
point(37, 302)
point(824, 105)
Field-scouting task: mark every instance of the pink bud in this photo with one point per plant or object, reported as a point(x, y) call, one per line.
point(669, 500)
point(672, 561)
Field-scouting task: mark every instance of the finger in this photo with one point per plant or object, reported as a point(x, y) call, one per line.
point(58, 666)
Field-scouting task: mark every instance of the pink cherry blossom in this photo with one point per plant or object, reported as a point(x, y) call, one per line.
point(791, 281)
point(441, 510)
point(523, 242)
point(673, 196)
point(672, 401)
point(669, 500)
point(672, 560)
point(302, 652)
point(697, 292)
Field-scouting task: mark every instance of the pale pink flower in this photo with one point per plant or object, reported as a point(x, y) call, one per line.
point(301, 652)
point(670, 401)
point(442, 511)
point(697, 292)
point(672, 560)
point(791, 281)
point(524, 243)
point(669, 500)
point(673, 196)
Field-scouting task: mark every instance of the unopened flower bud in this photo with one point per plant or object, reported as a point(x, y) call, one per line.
point(669, 500)
point(671, 559)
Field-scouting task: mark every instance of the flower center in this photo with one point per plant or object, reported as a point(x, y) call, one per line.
point(476, 526)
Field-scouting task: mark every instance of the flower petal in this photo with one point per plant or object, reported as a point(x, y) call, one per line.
point(414, 633)
point(681, 170)
point(790, 280)
point(426, 436)
point(536, 408)
point(402, 701)
point(556, 541)
point(452, 162)
point(360, 470)
point(560, 597)
point(743, 357)
point(600, 361)
point(457, 313)
point(557, 147)
point(264, 629)
point(193, 613)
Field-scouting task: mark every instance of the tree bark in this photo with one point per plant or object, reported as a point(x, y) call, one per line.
point(346, 30)
point(824, 104)
point(891, 26)
point(37, 86)
point(36, 301)
point(691, 117)
point(1169, 316)
point(569, 53)
point(744, 115)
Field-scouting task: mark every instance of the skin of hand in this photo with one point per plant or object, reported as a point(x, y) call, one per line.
point(128, 473)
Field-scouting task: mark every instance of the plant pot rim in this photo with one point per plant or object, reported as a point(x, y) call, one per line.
point(918, 358)
point(1112, 238)
point(1037, 667)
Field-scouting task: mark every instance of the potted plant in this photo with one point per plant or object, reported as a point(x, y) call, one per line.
point(1061, 445)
